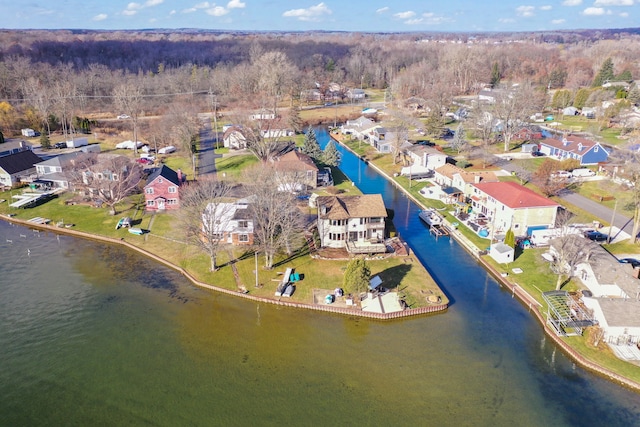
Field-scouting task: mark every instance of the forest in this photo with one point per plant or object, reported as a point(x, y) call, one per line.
point(49, 77)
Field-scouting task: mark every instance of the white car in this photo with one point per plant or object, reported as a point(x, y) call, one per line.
point(562, 174)
point(123, 116)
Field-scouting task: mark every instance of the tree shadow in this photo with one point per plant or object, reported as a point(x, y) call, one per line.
point(303, 251)
point(391, 277)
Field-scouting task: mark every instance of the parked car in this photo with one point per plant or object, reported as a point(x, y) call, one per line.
point(561, 174)
point(60, 145)
point(144, 161)
point(537, 153)
point(123, 116)
point(596, 236)
point(634, 262)
point(583, 172)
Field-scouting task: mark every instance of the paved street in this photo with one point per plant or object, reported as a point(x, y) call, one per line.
point(206, 154)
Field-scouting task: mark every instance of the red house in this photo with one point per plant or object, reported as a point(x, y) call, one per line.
point(162, 190)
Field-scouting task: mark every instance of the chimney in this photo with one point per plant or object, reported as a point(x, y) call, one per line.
point(323, 209)
point(180, 177)
point(477, 179)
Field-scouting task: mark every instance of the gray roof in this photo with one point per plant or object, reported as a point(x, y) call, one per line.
point(609, 271)
point(621, 312)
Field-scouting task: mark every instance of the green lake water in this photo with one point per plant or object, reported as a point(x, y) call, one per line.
point(92, 334)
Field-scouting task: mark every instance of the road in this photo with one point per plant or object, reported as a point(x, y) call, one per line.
point(206, 154)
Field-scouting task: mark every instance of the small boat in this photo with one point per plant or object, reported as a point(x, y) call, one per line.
point(431, 217)
point(123, 222)
point(136, 231)
point(289, 291)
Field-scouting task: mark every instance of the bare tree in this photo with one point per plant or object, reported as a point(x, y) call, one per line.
point(399, 136)
point(546, 179)
point(278, 222)
point(128, 98)
point(631, 160)
point(513, 107)
point(41, 98)
point(107, 178)
point(182, 120)
point(206, 211)
point(568, 251)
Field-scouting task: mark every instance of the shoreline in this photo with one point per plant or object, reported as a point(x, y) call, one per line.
point(431, 309)
point(524, 297)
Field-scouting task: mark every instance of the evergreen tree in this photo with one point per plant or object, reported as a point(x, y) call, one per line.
point(310, 146)
point(45, 142)
point(495, 74)
point(634, 95)
point(605, 74)
point(580, 100)
point(331, 156)
point(625, 76)
point(356, 276)
point(510, 239)
point(561, 99)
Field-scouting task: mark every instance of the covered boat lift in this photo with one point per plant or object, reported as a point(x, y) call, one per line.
point(565, 314)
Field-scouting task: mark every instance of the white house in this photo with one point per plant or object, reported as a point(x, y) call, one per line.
point(423, 159)
point(356, 223)
point(359, 128)
point(229, 223)
point(234, 138)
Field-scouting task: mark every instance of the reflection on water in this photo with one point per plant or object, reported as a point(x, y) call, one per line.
point(94, 334)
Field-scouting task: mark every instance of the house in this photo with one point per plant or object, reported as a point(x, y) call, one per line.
point(588, 152)
point(356, 223)
point(464, 179)
point(296, 171)
point(15, 167)
point(276, 133)
point(263, 115)
point(310, 95)
point(613, 288)
point(509, 205)
point(487, 95)
point(527, 134)
point(162, 190)
point(589, 112)
point(229, 223)
point(13, 147)
point(356, 94)
point(56, 172)
point(383, 139)
point(358, 128)
point(234, 138)
point(423, 159)
point(443, 175)
point(106, 174)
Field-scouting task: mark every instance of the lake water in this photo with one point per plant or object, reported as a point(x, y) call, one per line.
point(93, 334)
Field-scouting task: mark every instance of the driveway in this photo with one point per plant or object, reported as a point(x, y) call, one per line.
point(604, 213)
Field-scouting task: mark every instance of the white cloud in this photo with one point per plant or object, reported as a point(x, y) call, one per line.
point(190, 10)
point(613, 3)
point(546, 7)
point(383, 9)
point(134, 6)
point(558, 21)
point(593, 11)
point(100, 17)
point(572, 2)
point(151, 3)
point(415, 21)
point(624, 14)
point(173, 12)
point(405, 15)
point(217, 11)
point(129, 12)
point(525, 11)
point(313, 13)
point(506, 20)
point(236, 4)
point(203, 5)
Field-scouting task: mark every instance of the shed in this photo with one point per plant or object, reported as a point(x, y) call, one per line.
point(529, 148)
point(375, 282)
point(569, 111)
point(501, 253)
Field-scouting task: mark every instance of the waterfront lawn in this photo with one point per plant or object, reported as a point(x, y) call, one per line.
point(233, 166)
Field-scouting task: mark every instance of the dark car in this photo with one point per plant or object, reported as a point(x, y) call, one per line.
point(60, 145)
point(596, 236)
point(537, 153)
point(634, 262)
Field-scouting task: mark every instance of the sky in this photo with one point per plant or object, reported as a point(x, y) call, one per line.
point(329, 15)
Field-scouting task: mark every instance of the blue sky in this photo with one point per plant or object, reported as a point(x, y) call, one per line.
point(331, 15)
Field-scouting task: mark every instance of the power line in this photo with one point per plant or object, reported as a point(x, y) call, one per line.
point(107, 96)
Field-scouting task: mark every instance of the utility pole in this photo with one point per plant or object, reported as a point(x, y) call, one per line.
point(214, 105)
point(256, 256)
point(613, 217)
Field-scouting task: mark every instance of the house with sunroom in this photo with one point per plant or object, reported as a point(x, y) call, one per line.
point(586, 151)
point(355, 223)
point(509, 205)
point(162, 190)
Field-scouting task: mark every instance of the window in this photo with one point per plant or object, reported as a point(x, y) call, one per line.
point(243, 237)
point(148, 190)
point(151, 202)
point(595, 149)
point(172, 189)
point(243, 224)
point(172, 201)
point(160, 180)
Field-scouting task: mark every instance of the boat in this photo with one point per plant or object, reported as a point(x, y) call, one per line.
point(289, 290)
point(123, 222)
point(137, 231)
point(431, 217)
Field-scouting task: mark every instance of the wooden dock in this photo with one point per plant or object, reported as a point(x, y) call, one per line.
point(439, 230)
